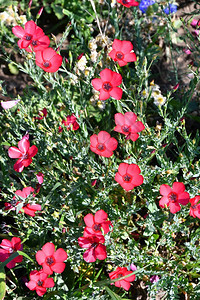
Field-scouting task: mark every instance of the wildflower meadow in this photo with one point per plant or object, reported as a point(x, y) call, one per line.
point(100, 149)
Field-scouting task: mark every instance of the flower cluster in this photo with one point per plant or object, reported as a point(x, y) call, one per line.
point(177, 195)
point(51, 261)
point(153, 91)
point(10, 16)
point(32, 38)
point(93, 238)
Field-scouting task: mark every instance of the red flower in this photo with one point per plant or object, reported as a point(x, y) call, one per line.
point(49, 60)
point(39, 282)
point(51, 260)
point(96, 222)
point(173, 196)
point(127, 125)
point(128, 3)
point(31, 37)
point(108, 85)
point(122, 52)
point(70, 123)
point(24, 153)
point(42, 114)
point(195, 207)
point(29, 209)
point(103, 144)
point(128, 176)
point(94, 245)
point(9, 247)
point(40, 177)
point(124, 283)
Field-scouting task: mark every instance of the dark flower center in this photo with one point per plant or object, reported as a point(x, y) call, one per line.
point(40, 283)
point(194, 206)
point(173, 197)
point(94, 245)
point(101, 147)
point(124, 1)
point(50, 261)
point(107, 86)
point(119, 55)
point(34, 43)
point(97, 227)
point(28, 37)
point(125, 128)
point(13, 202)
point(46, 64)
point(127, 178)
point(120, 275)
point(25, 156)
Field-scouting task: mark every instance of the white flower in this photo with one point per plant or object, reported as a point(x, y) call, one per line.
point(101, 105)
point(81, 64)
point(94, 56)
point(159, 100)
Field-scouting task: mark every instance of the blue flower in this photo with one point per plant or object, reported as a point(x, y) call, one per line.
point(144, 4)
point(171, 8)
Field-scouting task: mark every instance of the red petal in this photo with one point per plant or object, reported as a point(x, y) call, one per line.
point(126, 285)
point(24, 145)
point(40, 257)
point(123, 168)
point(89, 220)
point(117, 45)
point(133, 170)
point(31, 285)
point(49, 283)
point(94, 140)
point(106, 75)
point(133, 137)
point(111, 144)
point(56, 62)
point(174, 207)
point(178, 187)
point(49, 53)
point(184, 198)
point(130, 57)
point(116, 79)
point(33, 150)
point(48, 249)
point(100, 216)
point(14, 152)
point(112, 54)
point(26, 162)
point(164, 201)
point(104, 95)
point(60, 255)
point(27, 191)
point(16, 243)
point(89, 255)
point(18, 31)
point(40, 290)
point(165, 190)
point(103, 136)
point(84, 242)
point(119, 119)
point(39, 58)
point(18, 166)
point(131, 278)
point(137, 180)
point(97, 83)
point(30, 27)
point(127, 47)
point(58, 267)
point(116, 93)
point(122, 63)
point(137, 127)
point(100, 252)
point(47, 269)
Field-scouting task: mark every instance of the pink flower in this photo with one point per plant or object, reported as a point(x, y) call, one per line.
point(128, 3)
point(96, 222)
point(121, 272)
point(39, 282)
point(49, 60)
point(40, 177)
point(42, 114)
point(7, 248)
point(128, 176)
point(103, 144)
point(187, 51)
point(122, 52)
point(127, 125)
point(107, 85)
point(31, 37)
point(195, 207)
point(51, 260)
point(70, 123)
point(94, 245)
point(9, 104)
point(194, 23)
point(174, 196)
point(24, 153)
